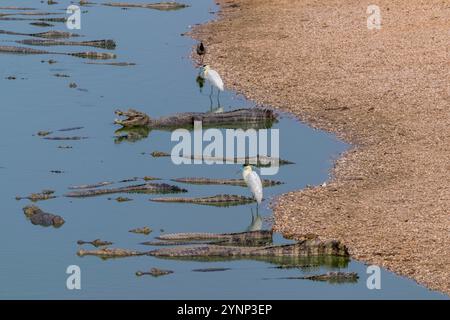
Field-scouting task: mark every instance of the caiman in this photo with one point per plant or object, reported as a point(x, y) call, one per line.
point(163, 6)
point(258, 161)
point(331, 277)
point(96, 243)
point(154, 272)
point(43, 195)
point(146, 188)
point(39, 217)
point(304, 248)
point(254, 238)
point(47, 34)
point(106, 253)
point(231, 182)
point(87, 55)
point(220, 200)
point(255, 118)
point(104, 44)
point(143, 230)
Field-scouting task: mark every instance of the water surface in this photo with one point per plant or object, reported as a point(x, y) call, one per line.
point(34, 259)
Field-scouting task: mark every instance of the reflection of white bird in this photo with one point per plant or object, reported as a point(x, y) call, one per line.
point(253, 182)
point(257, 223)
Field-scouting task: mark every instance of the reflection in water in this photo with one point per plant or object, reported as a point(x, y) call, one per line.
point(131, 134)
point(257, 222)
point(200, 82)
point(302, 263)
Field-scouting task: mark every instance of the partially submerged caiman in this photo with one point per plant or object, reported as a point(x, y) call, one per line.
point(305, 248)
point(146, 188)
point(39, 217)
point(252, 238)
point(255, 118)
point(219, 200)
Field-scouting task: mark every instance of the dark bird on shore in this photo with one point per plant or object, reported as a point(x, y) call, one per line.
point(201, 50)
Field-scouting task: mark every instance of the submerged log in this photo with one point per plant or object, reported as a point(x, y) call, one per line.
point(105, 44)
point(239, 118)
point(163, 6)
point(139, 188)
point(39, 217)
point(231, 182)
point(220, 200)
point(304, 248)
point(262, 237)
point(106, 253)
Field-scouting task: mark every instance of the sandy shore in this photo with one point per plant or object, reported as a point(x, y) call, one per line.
point(386, 91)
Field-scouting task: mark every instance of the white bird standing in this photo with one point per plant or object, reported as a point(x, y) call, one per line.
point(253, 181)
point(214, 79)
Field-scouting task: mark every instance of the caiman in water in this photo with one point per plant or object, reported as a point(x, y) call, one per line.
point(43, 195)
point(331, 277)
point(253, 238)
point(231, 182)
point(220, 200)
point(303, 248)
point(146, 188)
point(163, 6)
point(48, 34)
point(96, 243)
point(256, 118)
point(104, 44)
point(39, 217)
point(154, 272)
point(87, 55)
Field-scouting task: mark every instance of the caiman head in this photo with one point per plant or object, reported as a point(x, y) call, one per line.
point(133, 118)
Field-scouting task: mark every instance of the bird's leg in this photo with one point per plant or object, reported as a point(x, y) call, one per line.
point(210, 97)
point(218, 100)
point(210, 103)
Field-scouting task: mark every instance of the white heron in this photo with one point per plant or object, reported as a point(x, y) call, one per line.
point(213, 77)
point(254, 183)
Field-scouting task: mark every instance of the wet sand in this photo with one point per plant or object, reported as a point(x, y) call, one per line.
point(385, 91)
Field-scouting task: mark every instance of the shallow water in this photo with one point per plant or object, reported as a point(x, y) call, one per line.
point(34, 259)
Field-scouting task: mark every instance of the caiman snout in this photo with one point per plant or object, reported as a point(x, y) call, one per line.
point(133, 118)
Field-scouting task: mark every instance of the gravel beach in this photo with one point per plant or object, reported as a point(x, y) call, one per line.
point(386, 91)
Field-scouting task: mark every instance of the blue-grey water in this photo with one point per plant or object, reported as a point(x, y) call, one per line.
point(34, 259)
